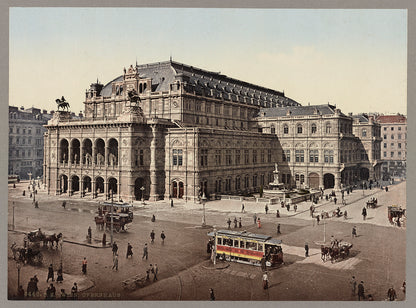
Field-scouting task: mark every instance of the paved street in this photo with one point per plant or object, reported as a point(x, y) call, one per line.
point(185, 272)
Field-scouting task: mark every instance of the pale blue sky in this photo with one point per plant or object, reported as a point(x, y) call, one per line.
point(353, 58)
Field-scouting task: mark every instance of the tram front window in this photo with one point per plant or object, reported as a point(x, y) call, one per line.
point(219, 241)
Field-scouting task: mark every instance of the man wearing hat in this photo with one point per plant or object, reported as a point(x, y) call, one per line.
point(361, 290)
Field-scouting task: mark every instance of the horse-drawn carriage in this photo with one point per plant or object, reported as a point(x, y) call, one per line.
point(27, 254)
point(396, 215)
point(34, 238)
point(122, 215)
point(372, 203)
point(337, 250)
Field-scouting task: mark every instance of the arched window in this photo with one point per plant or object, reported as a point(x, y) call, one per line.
point(285, 129)
point(313, 128)
point(299, 129)
point(272, 129)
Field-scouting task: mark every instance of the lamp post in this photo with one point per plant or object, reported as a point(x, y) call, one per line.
point(13, 214)
point(204, 199)
point(363, 188)
point(142, 189)
point(18, 266)
point(111, 228)
point(215, 246)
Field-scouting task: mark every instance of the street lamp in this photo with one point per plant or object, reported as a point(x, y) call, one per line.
point(363, 188)
point(13, 214)
point(142, 189)
point(204, 199)
point(18, 266)
point(215, 246)
point(111, 215)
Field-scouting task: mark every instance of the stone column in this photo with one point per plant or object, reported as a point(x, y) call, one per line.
point(337, 181)
point(70, 186)
point(94, 155)
point(80, 154)
point(106, 190)
point(106, 155)
point(58, 186)
point(81, 185)
point(153, 171)
point(69, 154)
point(93, 189)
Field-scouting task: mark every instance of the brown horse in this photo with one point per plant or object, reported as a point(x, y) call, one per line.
point(324, 253)
point(334, 254)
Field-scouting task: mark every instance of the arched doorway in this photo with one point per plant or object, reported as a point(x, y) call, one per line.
point(112, 152)
point(99, 185)
point(329, 180)
point(75, 151)
point(138, 184)
point(100, 150)
point(64, 184)
point(87, 152)
point(63, 157)
point(177, 189)
point(313, 180)
point(75, 183)
point(112, 186)
point(364, 174)
point(87, 184)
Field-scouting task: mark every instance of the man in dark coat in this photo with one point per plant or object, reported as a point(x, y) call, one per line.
point(306, 250)
point(129, 250)
point(235, 222)
point(361, 290)
point(115, 248)
point(152, 236)
point(163, 236)
point(364, 213)
point(229, 223)
point(50, 273)
point(145, 252)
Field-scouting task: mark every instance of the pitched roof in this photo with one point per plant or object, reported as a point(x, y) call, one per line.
point(214, 83)
point(297, 111)
point(392, 118)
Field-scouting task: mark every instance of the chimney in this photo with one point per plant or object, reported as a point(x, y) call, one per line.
point(44, 111)
point(80, 114)
point(22, 108)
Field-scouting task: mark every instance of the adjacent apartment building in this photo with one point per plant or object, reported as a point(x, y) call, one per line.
point(394, 145)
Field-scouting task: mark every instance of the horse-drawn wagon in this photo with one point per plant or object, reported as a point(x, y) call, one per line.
point(27, 254)
point(337, 250)
point(34, 238)
point(122, 215)
point(372, 203)
point(396, 215)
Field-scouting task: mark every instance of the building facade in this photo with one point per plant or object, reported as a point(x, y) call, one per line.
point(171, 130)
point(26, 141)
point(319, 146)
point(394, 145)
point(162, 130)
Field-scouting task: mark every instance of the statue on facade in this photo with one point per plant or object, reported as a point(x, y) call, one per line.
point(133, 96)
point(88, 158)
point(100, 159)
point(62, 103)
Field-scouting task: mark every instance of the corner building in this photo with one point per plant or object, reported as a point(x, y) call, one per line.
point(160, 130)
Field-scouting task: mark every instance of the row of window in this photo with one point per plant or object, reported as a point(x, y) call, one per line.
point(24, 130)
point(399, 145)
point(313, 156)
point(226, 123)
point(392, 154)
point(241, 183)
point(392, 128)
point(23, 140)
point(240, 244)
point(299, 129)
point(229, 155)
point(399, 136)
point(24, 153)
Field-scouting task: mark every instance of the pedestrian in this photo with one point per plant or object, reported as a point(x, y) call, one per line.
point(59, 275)
point(30, 288)
point(63, 294)
point(35, 284)
point(263, 263)
point(211, 295)
point(115, 262)
point(387, 188)
point(345, 215)
point(84, 266)
point(74, 291)
point(235, 222)
point(266, 209)
point(36, 204)
point(24, 193)
point(153, 218)
point(51, 292)
point(115, 248)
point(64, 204)
point(104, 242)
point(255, 218)
point(391, 294)
point(30, 195)
point(129, 251)
point(335, 200)
point(239, 223)
point(14, 185)
point(361, 291)
point(148, 273)
point(317, 219)
point(288, 207)
point(364, 213)
point(265, 281)
point(295, 207)
point(258, 223)
point(354, 231)
point(145, 253)
point(163, 236)
point(229, 223)
point(152, 236)
point(89, 233)
point(278, 228)
point(155, 272)
point(50, 273)
point(171, 202)
point(242, 208)
point(277, 214)
point(306, 250)
point(353, 283)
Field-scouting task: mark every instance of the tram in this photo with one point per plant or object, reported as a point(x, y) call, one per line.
point(246, 247)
